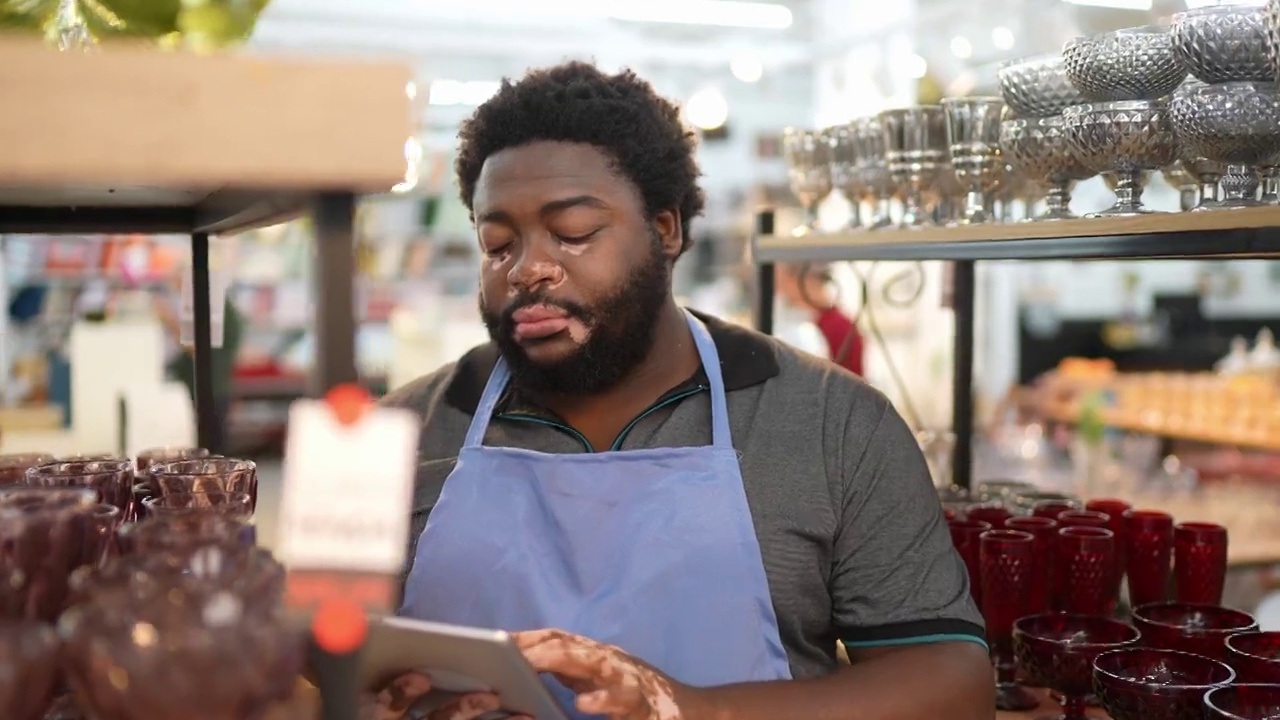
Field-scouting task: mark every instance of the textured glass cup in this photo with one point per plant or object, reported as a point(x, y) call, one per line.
point(1045, 533)
point(1007, 558)
point(113, 479)
point(994, 513)
point(236, 505)
point(13, 468)
point(181, 533)
point(43, 537)
point(965, 535)
point(1242, 702)
point(1255, 656)
point(1148, 553)
point(209, 474)
point(1053, 508)
point(1199, 629)
point(250, 574)
point(1148, 684)
point(1058, 650)
point(28, 669)
point(1084, 570)
point(1199, 562)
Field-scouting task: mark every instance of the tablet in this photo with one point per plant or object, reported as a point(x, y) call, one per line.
point(459, 660)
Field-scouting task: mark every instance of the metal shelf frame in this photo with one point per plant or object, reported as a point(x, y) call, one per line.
point(1226, 234)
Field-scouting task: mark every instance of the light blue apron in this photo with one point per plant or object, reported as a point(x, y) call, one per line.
point(650, 550)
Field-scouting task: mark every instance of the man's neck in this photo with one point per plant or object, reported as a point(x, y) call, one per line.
point(672, 359)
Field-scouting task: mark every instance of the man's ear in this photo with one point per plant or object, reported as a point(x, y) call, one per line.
point(670, 232)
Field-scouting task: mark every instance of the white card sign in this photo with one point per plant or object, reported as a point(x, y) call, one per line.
point(348, 489)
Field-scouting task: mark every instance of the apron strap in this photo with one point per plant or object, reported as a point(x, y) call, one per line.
point(721, 436)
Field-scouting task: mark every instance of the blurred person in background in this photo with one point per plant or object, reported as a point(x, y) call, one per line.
point(808, 295)
point(180, 367)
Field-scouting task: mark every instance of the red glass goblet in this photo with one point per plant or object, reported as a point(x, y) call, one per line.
point(113, 479)
point(992, 513)
point(1199, 562)
point(42, 539)
point(1053, 508)
point(1084, 518)
point(1150, 684)
point(1148, 538)
point(1045, 532)
point(28, 669)
point(1058, 649)
point(965, 535)
point(208, 474)
point(1199, 629)
point(13, 468)
point(1008, 559)
point(1083, 570)
point(1242, 702)
point(1255, 656)
point(1114, 510)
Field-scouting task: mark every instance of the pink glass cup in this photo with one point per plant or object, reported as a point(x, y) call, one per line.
point(43, 535)
point(230, 504)
point(205, 475)
point(112, 479)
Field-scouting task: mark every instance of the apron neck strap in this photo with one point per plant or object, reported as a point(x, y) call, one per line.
point(707, 353)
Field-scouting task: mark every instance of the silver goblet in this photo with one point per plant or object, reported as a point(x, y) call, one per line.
point(973, 140)
point(1037, 86)
point(916, 147)
point(1124, 140)
point(1130, 64)
point(872, 170)
point(1233, 123)
point(1224, 43)
point(1038, 147)
point(844, 161)
point(808, 157)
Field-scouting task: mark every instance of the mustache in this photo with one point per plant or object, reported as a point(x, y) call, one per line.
point(572, 309)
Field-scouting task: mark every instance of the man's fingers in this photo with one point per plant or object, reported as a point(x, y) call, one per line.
point(402, 692)
point(616, 700)
point(467, 707)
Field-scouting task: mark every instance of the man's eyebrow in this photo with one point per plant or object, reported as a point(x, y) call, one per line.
point(551, 208)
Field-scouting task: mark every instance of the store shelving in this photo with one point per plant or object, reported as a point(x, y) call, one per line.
point(1223, 234)
point(130, 139)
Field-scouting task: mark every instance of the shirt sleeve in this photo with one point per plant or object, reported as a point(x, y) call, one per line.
point(898, 579)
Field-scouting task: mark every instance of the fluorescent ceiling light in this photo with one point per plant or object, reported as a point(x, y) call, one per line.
point(722, 13)
point(1114, 4)
point(469, 93)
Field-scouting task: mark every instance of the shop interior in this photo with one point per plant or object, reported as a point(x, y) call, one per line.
point(1136, 370)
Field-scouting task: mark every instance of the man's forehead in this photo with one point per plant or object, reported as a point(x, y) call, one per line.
point(540, 170)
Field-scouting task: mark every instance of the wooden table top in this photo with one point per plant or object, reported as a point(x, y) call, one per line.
point(1049, 710)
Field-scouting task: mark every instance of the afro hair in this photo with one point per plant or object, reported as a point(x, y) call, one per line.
point(620, 114)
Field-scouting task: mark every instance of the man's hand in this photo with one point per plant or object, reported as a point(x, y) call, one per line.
point(395, 700)
point(607, 680)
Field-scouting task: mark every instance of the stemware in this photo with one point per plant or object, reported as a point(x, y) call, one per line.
point(1199, 562)
point(1045, 534)
point(28, 669)
point(1242, 702)
point(916, 150)
point(1148, 551)
point(1058, 650)
point(1049, 505)
point(1084, 518)
point(966, 536)
point(1255, 656)
point(1007, 560)
point(808, 157)
point(1084, 570)
point(42, 539)
point(973, 141)
point(1149, 684)
point(992, 513)
point(1199, 629)
point(207, 474)
point(13, 468)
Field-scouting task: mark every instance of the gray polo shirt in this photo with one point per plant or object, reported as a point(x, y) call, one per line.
point(854, 542)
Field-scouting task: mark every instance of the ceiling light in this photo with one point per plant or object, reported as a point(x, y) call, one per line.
point(916, 67)
point(722, 13)
point(747, 68)
point(1116, 4)
point(961, 47)
point(462, 92)
point(1002, 38)
point(707, 109)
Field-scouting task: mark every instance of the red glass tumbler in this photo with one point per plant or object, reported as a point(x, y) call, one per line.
point(1199, 562)
point(1008, 561)
point(1148, 540)
point(965, 535)
point(1084, 569)
point(1044, 547)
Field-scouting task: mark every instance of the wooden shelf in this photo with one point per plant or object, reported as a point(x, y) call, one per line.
point(1222, 436)
point(1224, 233)
point(133, 138)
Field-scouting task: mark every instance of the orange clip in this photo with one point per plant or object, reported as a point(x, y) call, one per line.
point(349, 402)
point(339, 626)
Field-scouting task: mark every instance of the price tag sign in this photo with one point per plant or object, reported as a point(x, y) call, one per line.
point(348, 487)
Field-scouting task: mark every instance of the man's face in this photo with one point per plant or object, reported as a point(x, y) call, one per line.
point(574, 272)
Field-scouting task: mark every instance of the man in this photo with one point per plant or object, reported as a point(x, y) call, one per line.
point(671, 536)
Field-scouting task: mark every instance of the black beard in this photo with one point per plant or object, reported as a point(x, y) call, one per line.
point(621, 333)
